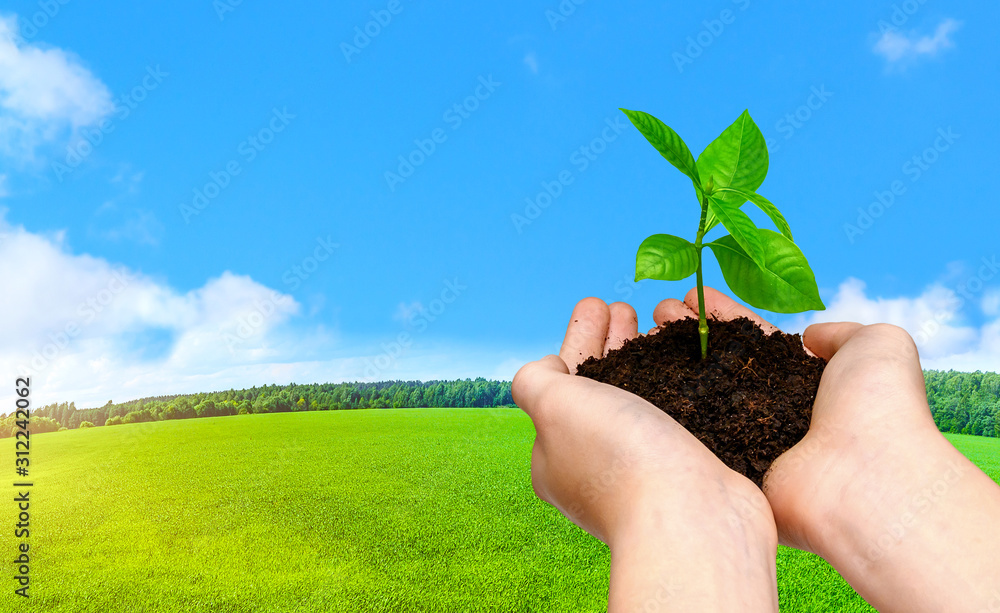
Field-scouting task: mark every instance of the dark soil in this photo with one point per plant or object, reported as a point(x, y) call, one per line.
point(749, 401)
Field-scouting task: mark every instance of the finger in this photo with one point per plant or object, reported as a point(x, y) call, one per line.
point(721, 306)
point(672, 309)
point(534, 378)
point(588, 327)
point(624, 326)
point(826, 339)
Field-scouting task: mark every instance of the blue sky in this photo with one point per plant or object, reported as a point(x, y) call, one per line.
point(240, 166)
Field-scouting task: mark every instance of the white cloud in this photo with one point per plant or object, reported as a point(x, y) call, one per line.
point(118, 222)
point(531, 61)
point(127, 178)
point(81, 325)
point(89, 331)
point(115, 223)
point(897, 47)
point(991, 303)
point(934, 319)
point(983, 354)
point(43, 93)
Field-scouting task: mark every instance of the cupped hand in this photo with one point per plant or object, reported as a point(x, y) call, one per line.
point(870, 418)
point(873, 487)
point(630, 475)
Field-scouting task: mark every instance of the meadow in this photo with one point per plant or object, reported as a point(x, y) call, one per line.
point(367, 510)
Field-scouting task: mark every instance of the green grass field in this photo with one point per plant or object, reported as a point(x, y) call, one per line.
point(384, 510)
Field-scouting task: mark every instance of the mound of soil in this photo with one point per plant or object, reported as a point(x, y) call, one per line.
point(749, 401)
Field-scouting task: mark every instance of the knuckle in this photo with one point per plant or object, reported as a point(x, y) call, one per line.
point(895, 336)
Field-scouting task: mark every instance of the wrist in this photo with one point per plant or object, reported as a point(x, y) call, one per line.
point(880, 483)
point(915, 515)
point(710, 546)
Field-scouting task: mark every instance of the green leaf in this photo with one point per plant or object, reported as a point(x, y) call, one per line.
point(668, 143)
point(665, 257)
point(785, 284)
point(740, 226)
point(765, 205)
point(737, 158)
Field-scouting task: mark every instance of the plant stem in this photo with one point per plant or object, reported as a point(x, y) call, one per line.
point(702, 320)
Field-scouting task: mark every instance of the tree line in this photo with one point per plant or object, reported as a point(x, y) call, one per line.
point(271, 399)
point(963, 403)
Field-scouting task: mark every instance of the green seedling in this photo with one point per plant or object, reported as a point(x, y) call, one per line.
point(764, 268)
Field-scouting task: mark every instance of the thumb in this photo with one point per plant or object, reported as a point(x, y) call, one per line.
point(826, 339)
point(533, 379)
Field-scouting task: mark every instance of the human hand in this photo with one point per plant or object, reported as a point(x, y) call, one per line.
point(873, 487)
point(685, 531)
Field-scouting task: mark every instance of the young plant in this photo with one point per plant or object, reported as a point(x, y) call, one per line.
point(761, 266)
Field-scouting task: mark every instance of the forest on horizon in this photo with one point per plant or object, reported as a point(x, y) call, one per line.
point(961, 403)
